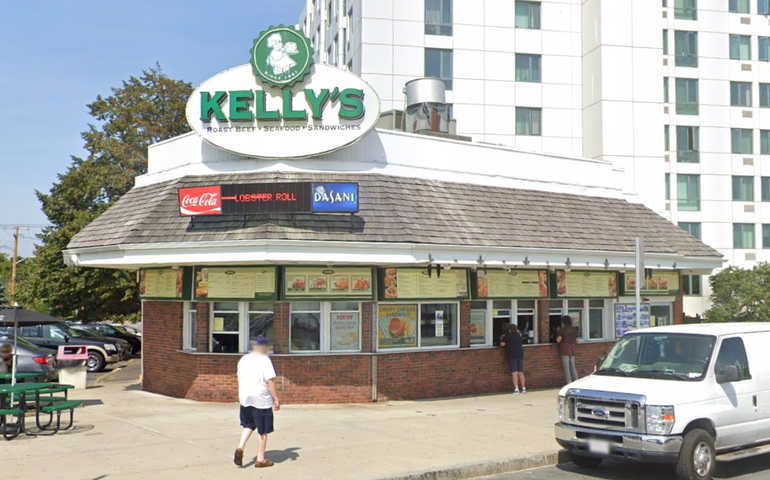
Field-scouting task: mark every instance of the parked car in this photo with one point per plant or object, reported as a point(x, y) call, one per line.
point(131, 329)
point(117, 332)
point(51, 336)
point(31, 358)
point(683, 395)
point(123, 346)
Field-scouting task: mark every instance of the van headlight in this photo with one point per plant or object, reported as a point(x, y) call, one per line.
point(560, 407)
point(660, 419)
point(109, 347)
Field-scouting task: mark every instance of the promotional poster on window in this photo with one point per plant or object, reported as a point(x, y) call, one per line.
point(625, 318)
point(345, 331)
point(397, 326)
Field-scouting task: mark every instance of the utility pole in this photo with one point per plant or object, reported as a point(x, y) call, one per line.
point(13, 265)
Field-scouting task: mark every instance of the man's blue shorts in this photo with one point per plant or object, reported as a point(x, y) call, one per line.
point(259, 419)
point(516, 364)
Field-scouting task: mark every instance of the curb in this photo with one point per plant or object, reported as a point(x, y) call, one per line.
point(488, 468)
point(107, 376)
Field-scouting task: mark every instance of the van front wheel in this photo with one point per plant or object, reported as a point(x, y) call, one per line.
point(697, 459)
point(585, 462)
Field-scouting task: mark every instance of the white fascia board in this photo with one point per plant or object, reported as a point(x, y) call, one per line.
point(368, 253)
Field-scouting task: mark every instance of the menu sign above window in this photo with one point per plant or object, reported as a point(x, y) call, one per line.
point(415, 283)
point(305, 282)
point(235, 283)
point(659, 283)
point(165, 283)
point(513, 284)
point(586, 284)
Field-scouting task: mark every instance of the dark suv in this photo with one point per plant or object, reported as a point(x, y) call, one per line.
point(116, 332)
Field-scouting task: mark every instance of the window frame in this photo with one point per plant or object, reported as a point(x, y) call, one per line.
point(691, 138)
point(444, 54)
point(744, 375)
point(742, 141)
point(763, 7)
point(531, 7)
point(680, 12)
point(534, 65)
point(764, 186)
point(326, 310)
point(736, 47)
point(692, 180)
point(739, 6)
point(585, 316)
point(239, 332)
point(687, 42)
point(189, 337)
point(744, 229)
point(741, 94)
point(440, 29)
point(765, 236)
point(743, 188)
point(419, 347)
point(530, 111)
point(688, 285)
point(692, 228)
point(690, 105)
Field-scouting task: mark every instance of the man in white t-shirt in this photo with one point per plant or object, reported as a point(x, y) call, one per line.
point(258, 398)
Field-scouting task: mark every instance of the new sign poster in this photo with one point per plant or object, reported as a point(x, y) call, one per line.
point(416, 283)
point(659, 283)
point(396, 326)
point(586, 284)
point(345, 332)
point(165, 283)
point(478, 326)
point(625, 318)
point(314, 282)
point(511, 284)
point(235, 283)
point(439, 323)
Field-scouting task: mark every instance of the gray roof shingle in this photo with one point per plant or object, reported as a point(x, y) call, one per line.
point(400, 210)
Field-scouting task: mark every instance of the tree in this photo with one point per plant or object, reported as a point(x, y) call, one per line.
point(143, 111)
point(740, 295)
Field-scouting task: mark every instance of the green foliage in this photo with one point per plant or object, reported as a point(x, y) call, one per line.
point(740, 295)
point(143, 111)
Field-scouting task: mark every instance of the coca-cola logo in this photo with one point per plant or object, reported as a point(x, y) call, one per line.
point(200, 201)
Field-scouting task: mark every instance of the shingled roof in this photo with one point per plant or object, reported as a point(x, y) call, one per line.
point(400, 210)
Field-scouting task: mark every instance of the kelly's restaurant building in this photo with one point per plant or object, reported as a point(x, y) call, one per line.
point(383, 263)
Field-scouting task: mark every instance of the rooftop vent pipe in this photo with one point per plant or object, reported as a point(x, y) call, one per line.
point(426, 107)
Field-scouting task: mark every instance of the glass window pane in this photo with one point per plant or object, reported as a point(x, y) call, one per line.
point(693, 228)
point(438, 63)
point(763, 7)
point(687, 148)
point(686, 96)
point(305, 331)
point(260, 307)
point(668, 186)
point(528, 68)
point(665, 42)
point(438, 324)
point(666, 138)
point(688, 192)
point(742, 140)
point(306, 306)
point(766, 189)
point(262, 324)
point(596, 323)
point(743, 235)
point(686, 9)
point(192, 329)
point(686, 48)
point(764, 49)
point(764, 94)
point(743, 189)
point(225, 306)
point(765, 235)
point(345, 331)
point(665, 89)
point(528, 121)
point(740, 94)
point(732, 352)
point(438, 17)
point(527, 15)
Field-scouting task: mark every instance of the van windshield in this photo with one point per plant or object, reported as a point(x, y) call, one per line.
point(666, 356)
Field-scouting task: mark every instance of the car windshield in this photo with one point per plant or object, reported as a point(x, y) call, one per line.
point(667, 356)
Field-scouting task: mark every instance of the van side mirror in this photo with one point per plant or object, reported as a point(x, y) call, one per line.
point(599, 362)
point(728, 374)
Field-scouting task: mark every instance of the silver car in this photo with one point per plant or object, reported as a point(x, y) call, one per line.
point(32, 358)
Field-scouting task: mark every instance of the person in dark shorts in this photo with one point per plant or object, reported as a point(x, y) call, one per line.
point(567, 338)
point(514, 352)
point(258, 399)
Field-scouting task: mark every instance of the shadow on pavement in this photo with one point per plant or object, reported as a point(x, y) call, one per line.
point(277, 456)
point(91, 403)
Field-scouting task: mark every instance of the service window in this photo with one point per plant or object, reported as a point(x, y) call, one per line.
point(417, 325)
point(733, 352)
point(306, 326)
point(225, 329)
point(325, 327)
point(438, 324)
point(478, 328)
point(261, 320)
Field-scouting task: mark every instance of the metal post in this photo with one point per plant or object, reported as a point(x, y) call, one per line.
point(639, 279)
point(13, 265)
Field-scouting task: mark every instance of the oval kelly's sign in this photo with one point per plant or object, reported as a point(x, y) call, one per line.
point(237, 112)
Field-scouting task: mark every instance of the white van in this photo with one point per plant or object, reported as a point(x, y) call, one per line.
point(687, 395)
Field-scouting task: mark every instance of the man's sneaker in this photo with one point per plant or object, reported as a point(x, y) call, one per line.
point(516, 392)
point(523, 390)
point(238, 458)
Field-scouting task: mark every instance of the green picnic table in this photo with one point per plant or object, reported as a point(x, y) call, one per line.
point(22, 375)
point(49, 405)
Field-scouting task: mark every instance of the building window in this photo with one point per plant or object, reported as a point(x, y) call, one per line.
point(739, 6)
point(740, 94)
point(763, 7)
point(687, 144)
point(665, 42)
point(190, 327)
point(764, 142)
point(666, 138)
point(691, 285)
point(742, 140)
point(438, 63)
point(743, 235)
point(693, 228)
point(764, 49)
point(765, 182)
point(765, 236)
point(686, 9)
point(417, 325)
point(261, 320)
point(528, 15)
point(668, 186)
point(528, 68)
point(344, 327)
point(687, 96)
point(665, 89)
point(743, 189)
point(529, 121)
point(438, 17)
point(764, 95)
point(325, 327)
point(226, 327)
point(688, 192)
point(686, 49)
point(740, 47)
point(305, 327)
point(595, 319)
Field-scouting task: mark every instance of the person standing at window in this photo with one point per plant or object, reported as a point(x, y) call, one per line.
point(514, 352)
point(567, 338)
point(258, 399)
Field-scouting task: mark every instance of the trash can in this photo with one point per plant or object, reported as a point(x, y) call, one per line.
point(71, 360)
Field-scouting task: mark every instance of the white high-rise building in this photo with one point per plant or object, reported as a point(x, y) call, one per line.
point(675, 93)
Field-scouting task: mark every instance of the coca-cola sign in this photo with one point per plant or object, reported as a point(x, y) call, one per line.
point(198, 201)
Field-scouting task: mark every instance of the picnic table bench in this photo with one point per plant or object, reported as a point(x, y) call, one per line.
point(45, 402)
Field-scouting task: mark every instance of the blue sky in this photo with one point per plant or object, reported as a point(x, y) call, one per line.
point(58, 56)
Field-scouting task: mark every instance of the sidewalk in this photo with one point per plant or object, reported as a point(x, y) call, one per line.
point(124, 433)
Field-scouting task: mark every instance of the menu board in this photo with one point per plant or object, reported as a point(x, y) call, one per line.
point(327, 282)
point(625, 317)
point(165, 283)
point(235, 283)
point(513, 284)
point(396, 326)
point(586, 284)
point(478, 326)
point(659, 283)
point(346, 332)
point(415, 283)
